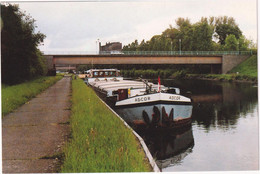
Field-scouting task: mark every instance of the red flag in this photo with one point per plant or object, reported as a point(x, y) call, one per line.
point(159, 84)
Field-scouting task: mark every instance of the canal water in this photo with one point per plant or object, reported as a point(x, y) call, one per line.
point(224, 131)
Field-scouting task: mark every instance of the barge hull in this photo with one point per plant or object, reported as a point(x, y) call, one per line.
point(156, 115)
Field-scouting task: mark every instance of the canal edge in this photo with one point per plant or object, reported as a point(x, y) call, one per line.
point(141, 141)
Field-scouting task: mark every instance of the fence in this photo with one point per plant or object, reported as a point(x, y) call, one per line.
point(152, 53)
point(178, 53)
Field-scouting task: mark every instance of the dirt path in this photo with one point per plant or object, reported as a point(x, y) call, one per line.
point(35, 132)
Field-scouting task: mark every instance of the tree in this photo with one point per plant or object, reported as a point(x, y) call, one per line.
point(231, 43)
point(143, 46)
point(244, 44)
point(21, 60)
point(209, 34)
point(172, 34)
point(185, 33)
point(225, 26)
point(202, 36)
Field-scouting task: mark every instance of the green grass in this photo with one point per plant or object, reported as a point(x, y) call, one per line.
point(247, 72)
point(16, 95)
point(148, 73)
point(100, 142)
point(223, 77)
point(248, 67)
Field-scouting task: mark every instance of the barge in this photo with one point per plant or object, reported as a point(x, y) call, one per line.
point(140, 103)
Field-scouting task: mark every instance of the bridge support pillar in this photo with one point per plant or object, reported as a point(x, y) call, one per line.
point(50, 64)
point(230, 61)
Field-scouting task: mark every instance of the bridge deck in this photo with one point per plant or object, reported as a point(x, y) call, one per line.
point(135, 59)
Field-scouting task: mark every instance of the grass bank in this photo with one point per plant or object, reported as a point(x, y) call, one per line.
point(246, 71)
point(223, 77)
point(247, 68)
point(16, 95)
point(100, 142)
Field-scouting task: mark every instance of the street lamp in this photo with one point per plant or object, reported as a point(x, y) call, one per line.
point(97, 46)
point(180, 45)
point(171, 45)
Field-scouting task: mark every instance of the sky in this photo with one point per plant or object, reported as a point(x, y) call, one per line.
point(77, 26)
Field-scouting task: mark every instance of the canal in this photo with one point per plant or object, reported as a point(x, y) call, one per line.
point(224, 131)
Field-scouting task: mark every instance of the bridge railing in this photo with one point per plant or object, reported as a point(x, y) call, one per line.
point(177, 53)
point(69, 52)
point(152, 53)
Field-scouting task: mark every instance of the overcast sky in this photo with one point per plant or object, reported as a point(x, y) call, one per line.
point(76, 26)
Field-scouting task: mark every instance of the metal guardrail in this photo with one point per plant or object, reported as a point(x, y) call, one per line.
point(152, 53)
point(70, 53)
point(177, 53)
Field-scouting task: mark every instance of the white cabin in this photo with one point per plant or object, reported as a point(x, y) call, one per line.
point(94, 75)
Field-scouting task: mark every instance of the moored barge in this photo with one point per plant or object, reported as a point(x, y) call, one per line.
point(141, 103)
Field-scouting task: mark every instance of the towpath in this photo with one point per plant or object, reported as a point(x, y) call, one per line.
point(33, 135)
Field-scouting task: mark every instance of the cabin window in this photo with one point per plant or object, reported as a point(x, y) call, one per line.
point(95, 74)
point(112, 73)
point(101, 73)
point(106, 73)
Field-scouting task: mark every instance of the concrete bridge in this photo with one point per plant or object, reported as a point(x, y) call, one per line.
point(221, 62)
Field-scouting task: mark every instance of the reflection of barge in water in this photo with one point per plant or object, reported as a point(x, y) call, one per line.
point(141, 103)
point(169, 148)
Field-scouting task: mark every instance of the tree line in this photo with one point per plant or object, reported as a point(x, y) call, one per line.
point(21, 59)
point(209, 34)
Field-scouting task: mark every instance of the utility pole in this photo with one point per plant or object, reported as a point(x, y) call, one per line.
point(180, 45)
point(97, 46)
point(171, 45)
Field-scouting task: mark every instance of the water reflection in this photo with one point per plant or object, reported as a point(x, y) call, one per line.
point(224, 115)
point(218, 103)
point(169, 147)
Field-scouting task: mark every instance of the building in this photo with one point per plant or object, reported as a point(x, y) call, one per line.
point(110, 47)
